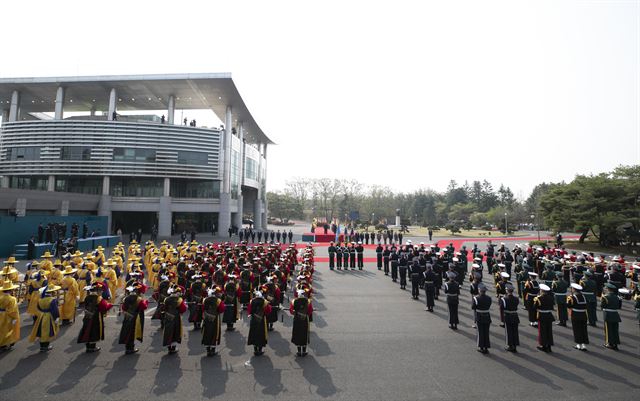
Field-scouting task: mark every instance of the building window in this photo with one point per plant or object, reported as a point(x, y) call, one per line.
point(134, 155)
point(75, 153)
point(137, 187)
point(24, 153)
point(38, 183)
point(199, 158)
point(251, 169)
point(189, 188)
point(79, 185)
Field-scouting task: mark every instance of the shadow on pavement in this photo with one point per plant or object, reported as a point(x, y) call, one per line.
point(278, 343)
point(75, 371)
point(168, 376)
point(23, 368)
point(122, 371)
point(213, 377)
point(235, 342)
point(266, 376)
point(317, 376)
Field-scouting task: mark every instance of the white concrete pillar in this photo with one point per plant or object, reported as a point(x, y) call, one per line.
point(106, 183)
point(4, 181)
point(14, 109)
point(171, 109)
point(5, 115)
point(257, 215)
point(264, 195)
point(238, 220)
point(104, 209)
point(51, 183)
point(224, 216)
point(113, 99)
point(92, 111)
point(167, 187)
point(226, 171)
point(59, 107)
point(164, 217)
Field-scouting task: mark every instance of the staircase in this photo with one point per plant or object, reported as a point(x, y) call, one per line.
point(20, 251)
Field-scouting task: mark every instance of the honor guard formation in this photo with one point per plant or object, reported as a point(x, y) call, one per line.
point(215, 283)
point(551, 284)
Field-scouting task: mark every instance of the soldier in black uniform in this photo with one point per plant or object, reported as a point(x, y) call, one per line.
point(345, 256)
point(481, 305)
point(452, 291)
point(429, 287)
point(352, 256)
point(403, 265)
point(360, 253)
point(339, 257)
point(379, 251)
point(386, 253)
point(509, 308)
point(577, 303)
point(531, 290)
point(394, 264)
point(544, 306)
point(416, 273)
point(195, 295)
point(332, 255)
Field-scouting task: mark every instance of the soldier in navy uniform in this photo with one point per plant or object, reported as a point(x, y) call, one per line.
point(509, 309)
point(416, 273)
point(452, 291)
point(559, 288)
point(339, 257)
point(352, 256)
point(345, 256)
point(394, 263)
point(481, 305)
point(577, 303)
point(386, 253)
point(403, 265)
point(429, 287)
point(332, 255)
point(360, 253)
point(544, 307)
point(531, 290)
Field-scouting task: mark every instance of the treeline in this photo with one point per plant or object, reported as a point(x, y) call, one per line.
point(597, 204)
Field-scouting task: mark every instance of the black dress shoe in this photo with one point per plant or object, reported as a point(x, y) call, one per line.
point(541, 348)
point(131, 351)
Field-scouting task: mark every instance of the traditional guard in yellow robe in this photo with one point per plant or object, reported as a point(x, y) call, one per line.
point(9, 316)
point(46, 325)
point(69, 286)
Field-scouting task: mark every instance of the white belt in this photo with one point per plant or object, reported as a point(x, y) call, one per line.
point(587, 293)
point(511, 312)
point(559, 293)
point(545, 311)
point(610, 310)
point(482, 311)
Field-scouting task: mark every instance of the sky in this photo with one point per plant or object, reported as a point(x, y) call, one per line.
point(398, 93)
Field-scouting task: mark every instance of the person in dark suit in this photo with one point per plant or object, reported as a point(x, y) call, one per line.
point(40, 233)
point(31, 248)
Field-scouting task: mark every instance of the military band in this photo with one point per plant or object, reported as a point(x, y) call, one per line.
point(213, 282)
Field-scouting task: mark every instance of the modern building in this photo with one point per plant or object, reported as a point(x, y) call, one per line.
point(66, 149)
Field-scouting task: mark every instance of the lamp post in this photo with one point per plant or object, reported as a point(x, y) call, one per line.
point(533, 218)
point(506, 227)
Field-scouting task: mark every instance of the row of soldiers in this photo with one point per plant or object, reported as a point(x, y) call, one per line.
point(347, 254)
point(434, 269)
point(212, 282)
point(249, 235)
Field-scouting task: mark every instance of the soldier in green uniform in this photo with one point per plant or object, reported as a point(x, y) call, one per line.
point(589, 288)
point(522, 274)
point(559, 288)
point(610, 303)
point(548, 275)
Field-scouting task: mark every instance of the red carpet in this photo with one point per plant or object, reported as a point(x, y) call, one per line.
point(320, 236)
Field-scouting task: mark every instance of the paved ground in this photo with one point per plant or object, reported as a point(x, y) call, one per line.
point(370, 341)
